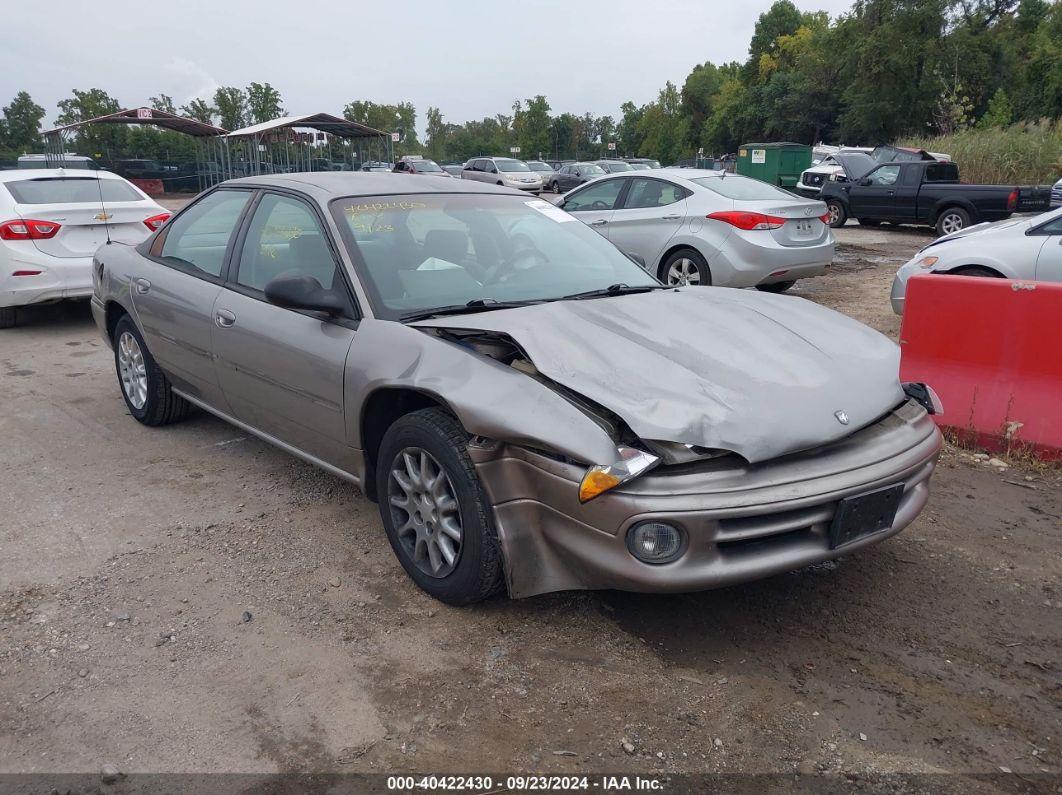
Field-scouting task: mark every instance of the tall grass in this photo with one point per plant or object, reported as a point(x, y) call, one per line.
point(1024, 153)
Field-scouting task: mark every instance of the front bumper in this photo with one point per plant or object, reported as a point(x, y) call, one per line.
point(528, 186)
point(898, 293)
point(59, 278)
point(742, 522)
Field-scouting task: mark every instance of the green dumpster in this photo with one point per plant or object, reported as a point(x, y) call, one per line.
point(779, 163)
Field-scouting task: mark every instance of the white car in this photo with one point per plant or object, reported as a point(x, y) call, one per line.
point(825, 170)
point(695, 226)
point(51, 223)
point(506, 171)
point(1018, 248)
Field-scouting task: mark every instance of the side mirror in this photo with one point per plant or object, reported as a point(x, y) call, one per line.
point(864, 181)
point(304, 292)
point(493, 170)
point(636, 258)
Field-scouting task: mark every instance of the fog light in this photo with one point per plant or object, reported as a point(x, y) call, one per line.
point(655, 542)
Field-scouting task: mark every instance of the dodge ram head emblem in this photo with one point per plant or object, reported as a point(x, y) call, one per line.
point(841, 417)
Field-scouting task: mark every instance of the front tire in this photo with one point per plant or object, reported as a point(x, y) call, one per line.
point(436, 515)
point(556, 188)
point(685, 267)
point(8, 316)
point(951, 220)
point(145, 388)
point(836, 211)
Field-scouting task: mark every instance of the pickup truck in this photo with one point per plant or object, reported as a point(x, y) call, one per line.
point(926, 193)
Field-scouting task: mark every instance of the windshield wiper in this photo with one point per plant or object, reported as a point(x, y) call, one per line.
point(616, 289)
point(475, 305)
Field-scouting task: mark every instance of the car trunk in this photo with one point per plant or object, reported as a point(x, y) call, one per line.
point(803, 225)
point(84, 228)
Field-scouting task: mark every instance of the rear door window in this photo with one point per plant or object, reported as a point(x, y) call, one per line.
point(71, 190)
point(652, 193)
point(198, 238)
point(942, 172)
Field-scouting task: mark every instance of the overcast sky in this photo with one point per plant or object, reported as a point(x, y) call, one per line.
point(471, 58)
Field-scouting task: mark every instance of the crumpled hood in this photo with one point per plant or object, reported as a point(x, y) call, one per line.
point(757, 374)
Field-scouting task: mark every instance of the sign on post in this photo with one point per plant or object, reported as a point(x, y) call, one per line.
point(514, 150)
point(612, 146)
point(143, 113)
point(396, 137)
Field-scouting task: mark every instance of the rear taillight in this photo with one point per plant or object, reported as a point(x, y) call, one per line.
point(1012, 200)
point(156, 221)
point(825, 218)
point(28, 229)
point(746, 220)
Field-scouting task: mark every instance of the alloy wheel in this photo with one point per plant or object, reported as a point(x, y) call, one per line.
point(834, 212)
point(950, 223)
point(683, 272)
point(132, 370)
point(425, 511)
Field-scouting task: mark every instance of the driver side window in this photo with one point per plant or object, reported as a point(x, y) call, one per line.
point(886, 175)
point(599, 196)
point(284, 239)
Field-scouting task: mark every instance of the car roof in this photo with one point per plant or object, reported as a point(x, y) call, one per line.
point(16, 174)
point(329, 184)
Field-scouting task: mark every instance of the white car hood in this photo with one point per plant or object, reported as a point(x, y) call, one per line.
point(759, 375)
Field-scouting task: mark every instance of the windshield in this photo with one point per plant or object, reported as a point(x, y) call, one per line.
point(742, 188)
point(618, 165)
point(427, 251)
point(511, 165)
point(590, 169)
point(71, 190)
point(639, 167)
point(426, 165)
point(538, 167)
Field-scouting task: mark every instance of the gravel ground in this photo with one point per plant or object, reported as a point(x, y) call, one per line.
point(189, 599)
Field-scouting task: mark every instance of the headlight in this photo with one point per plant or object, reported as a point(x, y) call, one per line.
point(603, 477)
point(927, 262)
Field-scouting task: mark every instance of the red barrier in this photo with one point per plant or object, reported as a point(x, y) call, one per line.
point(991, 348)
point(152, 187)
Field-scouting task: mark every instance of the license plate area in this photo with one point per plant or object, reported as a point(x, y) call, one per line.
point(803, 228)
point(862, 515)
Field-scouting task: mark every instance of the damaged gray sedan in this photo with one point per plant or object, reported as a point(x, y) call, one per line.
point(529, 408)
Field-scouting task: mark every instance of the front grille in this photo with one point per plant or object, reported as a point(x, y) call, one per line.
point(813, 179)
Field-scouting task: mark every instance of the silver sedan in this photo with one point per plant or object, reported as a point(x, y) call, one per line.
point(1018, 248)
point(694, 226)
point(529, 409)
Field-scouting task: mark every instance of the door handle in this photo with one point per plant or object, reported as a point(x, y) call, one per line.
point(671, 217)
point(892, 193)
point(598, 222)
point(142, 285)
point(224, 318)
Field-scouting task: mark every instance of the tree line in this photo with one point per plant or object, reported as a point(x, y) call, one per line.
point(885, 70)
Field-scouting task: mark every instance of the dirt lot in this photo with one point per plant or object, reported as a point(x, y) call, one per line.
point(189, 599)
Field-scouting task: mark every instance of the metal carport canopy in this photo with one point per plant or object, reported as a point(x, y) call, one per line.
point(149, 116)
point(324, 122)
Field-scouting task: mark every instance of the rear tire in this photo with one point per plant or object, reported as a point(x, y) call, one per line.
point(775, 287)
point(556, 187)
point(951, 220)
point(838, 215)
point(145, 388)
point(8, 316)
point(435, 504)
point(685, 267)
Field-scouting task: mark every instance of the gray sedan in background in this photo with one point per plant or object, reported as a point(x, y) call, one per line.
point(693, 226)
point(527, 406)
point(1018, 248)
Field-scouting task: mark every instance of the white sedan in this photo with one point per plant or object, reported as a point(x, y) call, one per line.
point(1018, 248)
point(51, 223)
point(693, 226)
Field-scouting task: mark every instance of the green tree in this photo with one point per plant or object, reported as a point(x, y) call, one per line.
point(231, 104)
point(400, 118)
point(163, 102)
point(1000, 112)
point(438, 132)
point(781, 19)
point(200, 110)
point(628, 131)
point(21, 127)
point(535, 128)
point(263, 103)
point(98, 140)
